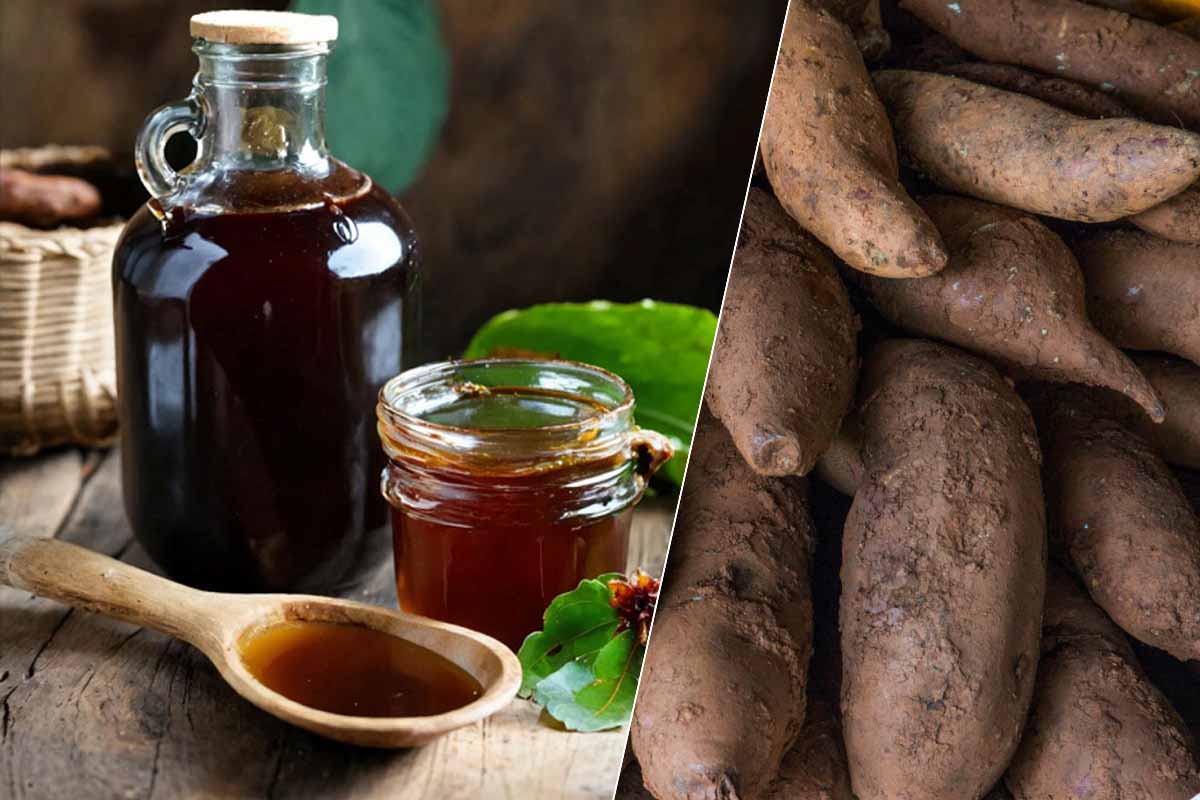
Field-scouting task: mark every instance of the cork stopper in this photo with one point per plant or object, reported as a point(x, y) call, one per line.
point(264, 27)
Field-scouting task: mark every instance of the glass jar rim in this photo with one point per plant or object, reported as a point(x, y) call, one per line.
point(441, 371)
point(606, 436)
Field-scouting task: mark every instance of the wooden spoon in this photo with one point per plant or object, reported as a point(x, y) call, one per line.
point(216, 624)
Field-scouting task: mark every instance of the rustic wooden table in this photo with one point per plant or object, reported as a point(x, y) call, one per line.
point(94, 708)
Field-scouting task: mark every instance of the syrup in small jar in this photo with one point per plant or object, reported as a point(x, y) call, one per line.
point(510, 480)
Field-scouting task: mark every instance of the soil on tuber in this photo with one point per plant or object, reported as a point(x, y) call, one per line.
point(1098, 728)
point(917, 46)
point(943, 572)
point(1027, 154)
point(840, 466)
point(1059, 92)
point(1177, 219)
point(1155, 10)
point(1177, 382)
point(630, 786)
point(1151, 68)
point(1143, 292)
point(1189, 27)
point(785, 359)
point(1119, 516)
point(1014, 293)
point(723, 690)
point(815, 768)
point(829, 154)
point(866, 21)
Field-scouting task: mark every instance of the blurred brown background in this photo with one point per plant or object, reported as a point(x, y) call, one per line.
point(592, 149)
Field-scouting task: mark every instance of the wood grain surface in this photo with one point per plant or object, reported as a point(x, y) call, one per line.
point(93, 708)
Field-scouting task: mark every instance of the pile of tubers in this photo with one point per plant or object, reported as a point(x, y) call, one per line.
point(966, 295)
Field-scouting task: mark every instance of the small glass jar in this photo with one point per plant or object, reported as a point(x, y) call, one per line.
point(510, 481)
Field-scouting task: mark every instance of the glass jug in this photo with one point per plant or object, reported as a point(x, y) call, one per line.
point(262, 297)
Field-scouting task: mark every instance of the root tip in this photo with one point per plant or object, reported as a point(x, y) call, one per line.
point(773, 453)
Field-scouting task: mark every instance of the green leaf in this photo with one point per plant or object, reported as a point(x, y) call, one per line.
point(660, 349)
point(389, 79)
point(576, 626)
point(599, 697)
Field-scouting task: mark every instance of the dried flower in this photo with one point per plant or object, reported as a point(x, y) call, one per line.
point(634, 599)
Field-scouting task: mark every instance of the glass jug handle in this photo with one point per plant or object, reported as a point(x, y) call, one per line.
point(150, 151)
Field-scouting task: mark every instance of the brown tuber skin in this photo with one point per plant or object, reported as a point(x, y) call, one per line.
point(866, 22)
point(1023, 153)
point(1189, 27)
point(1178, 219)
point(841, 464)
point(942, 578)
point(1098, 729)
point(1014, 293)
point(828, 150)
point(631, 786)
point(919, 47)
point(1146, 9)
point(785, 360)
point(1143, 292)
point(1177, 382)
point(1151, 68)
point(724, 683)
point(45, 200)
point(1120, 516)
point(1058, 92)
point(815, 768)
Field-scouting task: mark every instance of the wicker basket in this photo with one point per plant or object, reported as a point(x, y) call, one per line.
point(57, 359)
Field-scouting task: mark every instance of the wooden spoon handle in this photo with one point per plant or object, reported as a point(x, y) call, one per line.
point(93, 582)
